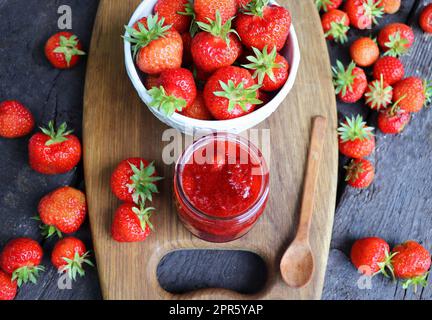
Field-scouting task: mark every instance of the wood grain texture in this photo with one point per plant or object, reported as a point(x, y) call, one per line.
point(117, 125)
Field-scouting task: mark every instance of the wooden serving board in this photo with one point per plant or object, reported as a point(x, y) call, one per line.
point(117, 125)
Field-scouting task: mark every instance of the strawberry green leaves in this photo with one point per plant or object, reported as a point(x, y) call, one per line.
point(143, 182)
point(69, 48)
point(343, 79)
point(217, 29)
point(354, 128)
point(27, 274)
point(397, 45)
point(238, 94)
point(168, 104)
point(57, 136)
point(144, 215)
point(75, 267)
point(263, 63)
point(338, 30)
point(256, 7)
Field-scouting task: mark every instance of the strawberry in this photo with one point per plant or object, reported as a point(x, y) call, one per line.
point(16, 120)
point(208, 9)
point(54, 151)
point(198, 110)
point(409, 94)
point(379, 94)
point(364, 51)
point(156, 46)
point(327, 5)
point(261, 25)
point(151, 81)
point(390, 6)
point(62, 211)
point(363, 13)
point(21, 258)
point(411, 261)
point(171, 11)
point(69, 256)
point(395, 39)
point(390, 68)
point(131, 223)
point(8, 288)
point(177, 91)
point(216, 47)
point(187, 53)
point(134, 180)
point(350, 83)
point(393, 120)
point(231, 92)
point(371, 256)
point(63, 50)
point(425, 20)
point(335, 24)
point(360, 173)
point(269, 68)
point(356, 140)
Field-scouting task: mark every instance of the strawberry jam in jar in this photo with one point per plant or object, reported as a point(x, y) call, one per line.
point(221, 187)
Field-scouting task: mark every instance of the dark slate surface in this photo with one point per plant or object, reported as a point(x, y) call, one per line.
point(397, 207)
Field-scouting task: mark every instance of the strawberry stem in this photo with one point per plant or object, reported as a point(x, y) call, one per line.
point(57, 136)
point(75, 266)
point(69, 48)
point(27, 274)
point(168, 104)
point(238, 95)
point(144, 215)
point(354, 128)
point(263, 63)
point(396, 45)
point(143, 182)
point(338, 30)
point(343, 79)
point(256, 8)
point(217, 29)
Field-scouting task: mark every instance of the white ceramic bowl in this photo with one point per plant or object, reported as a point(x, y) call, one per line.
point(188, 125)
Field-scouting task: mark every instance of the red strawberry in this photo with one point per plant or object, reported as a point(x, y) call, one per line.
point(350, 84)
point(131, 223)
point(21, 258)
point(171, 10)
point(63, 50)
point(425, 20)
point(355, 138)
point(363, 13)
point(207, 9)
point(371, 256)
point(16, 120)
point(409, 94)
point(231, 92)
point(54, 151)
point(327, 5)
point(198, 110)
point(62, 211)
point(157, 47)
point(379, 94)
point(390, 6)
point(335, 24)
point(216, 47)
point(134, 180)
point(364, 52)
point(395, 39)
point(271, 69)
point(177, 91)
point(390, 68)
point(70, 255)
point(262, 25)
point(187, 53)
point(411, 261)
point(360, 173)
point(393, 120)
point(8, 288)
point(151, 81)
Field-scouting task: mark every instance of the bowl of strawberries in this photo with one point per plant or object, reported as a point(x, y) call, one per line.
point(207, 65)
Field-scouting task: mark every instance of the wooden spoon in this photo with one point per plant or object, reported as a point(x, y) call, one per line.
point(297, 265)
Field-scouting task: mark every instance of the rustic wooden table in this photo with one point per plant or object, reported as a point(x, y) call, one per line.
point(396, 207)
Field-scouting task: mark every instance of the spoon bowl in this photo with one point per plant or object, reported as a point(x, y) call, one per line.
point(297, 265)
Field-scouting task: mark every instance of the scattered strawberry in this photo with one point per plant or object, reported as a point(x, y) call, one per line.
point(157, 47)
point(262, 25)
point(187, 52)
point(198, 110)
point(271, 69)
point(350, 84)
point(151, 81)
point(8, 288)
point(395, 39)
point(207, 9)
point(134, 180)
point(231, 92)
point(409, 94)
point(335, 24)
point(63, 50)
point(69, 256)
point(379, 94)
point(390, 6)
point(131, 223)
point(393, 120)
point(171, 11)
point(216, 47)
point(364, 51)
point(425, 20)
point(371, 256)
point(363, 13)
point(16, 120)
point(411, 261)
point(21, 258)
point(62, 211)
point(390, 68)
point(177, 91)
point(360, 173)
point(356, 140)
point(327, 5)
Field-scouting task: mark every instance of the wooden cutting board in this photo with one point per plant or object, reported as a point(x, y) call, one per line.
point(117, 125)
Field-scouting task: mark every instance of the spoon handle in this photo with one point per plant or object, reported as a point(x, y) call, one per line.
point(319, 128)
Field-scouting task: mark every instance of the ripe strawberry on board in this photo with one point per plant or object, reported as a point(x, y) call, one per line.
point(335, 24)
point(393, 120)
point(63, 50)
point(390, 6)
point(390, 68)
point(356, 140)
point(8, 288)
point(21, 258)
point(62, 211)
point(379, 94)
point(364, 52)
point(425, 20)
point(360, 173)
point(231, 92)
point(54, 151)
point(16, 120)
point(409, 94)
point(171, 10)
point(350, 83)
point(269, 68)
point(395, 39)
point(363, 14)
point(198, 110)
point(261, 24)
point(207, 9)
point(327, 5)
point(176, 92)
